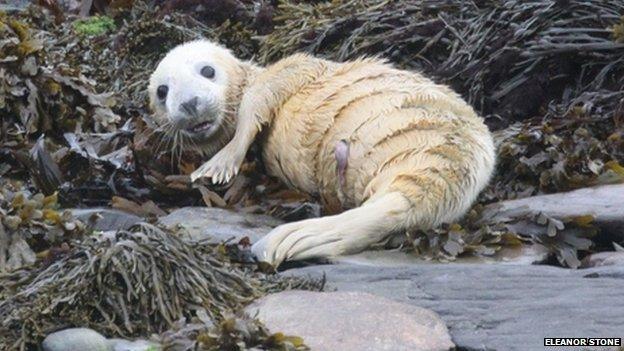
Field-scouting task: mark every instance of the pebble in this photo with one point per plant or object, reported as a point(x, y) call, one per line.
point(75, 339)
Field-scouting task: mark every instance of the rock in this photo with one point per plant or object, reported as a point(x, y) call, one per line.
point(494, 306)
point(137, 345)
point(608, 258)
point(291, 212)
point(522, 254)
point(20, 254)
point(109, 219)
point(352, 321)
point(82, 339)
point(218, 224)
point(14, 6)
point(604, 203)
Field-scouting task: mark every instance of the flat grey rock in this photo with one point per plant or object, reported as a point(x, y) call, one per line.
point(607, 258)
point(521, 255)
point(74, 339)
point(217, 224)
point(109, 219)
point(14, 5)
point(352, 321)
point(494, 306)
point(136, 345)
point(604, 203)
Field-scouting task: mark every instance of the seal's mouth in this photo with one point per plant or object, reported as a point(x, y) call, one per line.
point(200, 127)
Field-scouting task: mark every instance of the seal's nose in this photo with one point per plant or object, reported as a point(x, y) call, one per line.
point(189, 107)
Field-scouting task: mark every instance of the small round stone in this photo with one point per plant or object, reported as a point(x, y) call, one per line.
point(82, 339)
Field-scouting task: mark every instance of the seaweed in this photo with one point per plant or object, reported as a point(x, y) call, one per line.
point(509, 59)
point(563, 240)
point(137, 282)
point(32, 226)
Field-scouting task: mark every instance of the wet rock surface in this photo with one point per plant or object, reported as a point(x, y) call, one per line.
point(14, 5)
point(137, 345)
point(521, 255)
point(218, 224)
point(105, 219)
point(603, 203)
point(607, 258)
point(493, 306)
point(352, 321)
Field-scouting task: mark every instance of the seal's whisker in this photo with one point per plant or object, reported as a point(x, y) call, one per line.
point(159, 129)
point(192, 142)
point(165, 137)
point(182, 148)
point(161, 139)
point(173, 148)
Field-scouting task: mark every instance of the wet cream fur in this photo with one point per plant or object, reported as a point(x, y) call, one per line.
point(418, 154)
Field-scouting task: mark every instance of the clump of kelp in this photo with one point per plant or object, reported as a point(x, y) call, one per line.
point(38, 97)
point(482, 233)
point(138, 282)
point(33, 226)
point(508, 58)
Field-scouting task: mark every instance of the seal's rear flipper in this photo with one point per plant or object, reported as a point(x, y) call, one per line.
point(349, 232)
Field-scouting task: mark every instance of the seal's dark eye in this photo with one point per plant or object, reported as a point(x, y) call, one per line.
point(208, 72)
point(161, 92)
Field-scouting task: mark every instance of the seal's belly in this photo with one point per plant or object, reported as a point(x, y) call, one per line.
point(384, 115)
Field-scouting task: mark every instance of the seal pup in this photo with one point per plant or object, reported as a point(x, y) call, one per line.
point(396, 150)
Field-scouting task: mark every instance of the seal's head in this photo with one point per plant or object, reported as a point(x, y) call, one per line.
point(194, 94)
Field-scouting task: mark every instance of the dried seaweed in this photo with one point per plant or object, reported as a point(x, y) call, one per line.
point(38, 96)
point(552, 154)
point(32, 226)
point(507, 58)
point(565, 240)
point(133, 283)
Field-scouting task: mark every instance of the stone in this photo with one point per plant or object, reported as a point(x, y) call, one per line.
point(607, 258)
point(82, 339)
point(217, 224)
point(604, 203)
point(14, 6)
point(136, 345)
point(351, 321)
point(107, 218)
point(291, 212)
point(495, 306)
point(519, 255)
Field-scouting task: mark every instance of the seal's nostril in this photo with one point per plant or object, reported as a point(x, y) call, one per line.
point(190, 106)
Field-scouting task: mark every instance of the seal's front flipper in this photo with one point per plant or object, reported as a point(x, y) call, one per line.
point(222, 167)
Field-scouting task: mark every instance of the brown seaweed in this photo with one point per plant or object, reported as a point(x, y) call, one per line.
point(133, 283)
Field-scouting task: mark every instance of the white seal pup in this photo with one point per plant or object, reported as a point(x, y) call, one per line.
point(395, 149)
